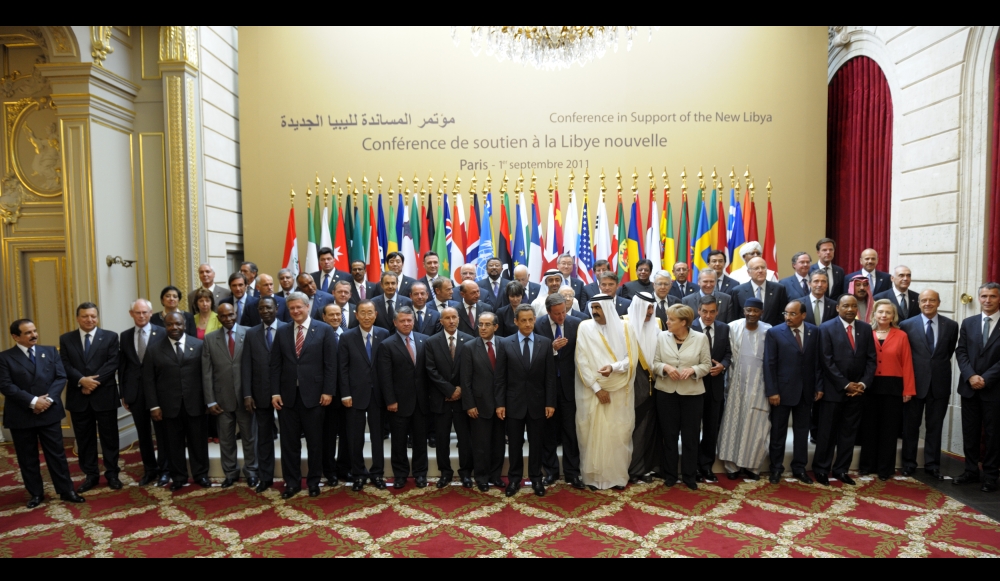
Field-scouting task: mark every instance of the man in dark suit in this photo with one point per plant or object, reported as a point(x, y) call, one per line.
point(255, 371)
point(643, 270)
point(357, 359)
point(428, 318)
point(402, 379)
point(561, 330)
point(171, 376)
point(567, 293)
point(494, 286)
point(933, 338)
point(725, 311)
point(394, 262)
point(848, 360)
point(717, 260)
point(90, 359)
point(479, 377)
point(978, 356)
point(878, 281)
point(526, 397)
point(792, 375)
point(342, 298)
point(444, 290)
point(907, 302)
point(715, 382)
point(286, 280)
point(663, 282)
point(265, 284)
point(608, 283)
point(797, 285)
point(820, 308)
point(826, 248)
point(133, 344)
point(336, 452)
point(444, 395)
point(432, 268)
point(682, 287)
point(318, 299)
point(471, 307)
point(531, 289)
point(505, 314)
point(593, 289)
point(359, 286)
point(389, 302)
point(303, 381)
point(245, 305)
point(772, 293)
point(31, 380)
point(566, 265)
point(249, 271)
point(327, 273)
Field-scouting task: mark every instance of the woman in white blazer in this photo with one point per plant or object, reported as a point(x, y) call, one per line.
point(683, 358)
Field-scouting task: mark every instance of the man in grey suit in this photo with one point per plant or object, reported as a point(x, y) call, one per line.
point(207, 276)
point(221, 364)
point(706, 282)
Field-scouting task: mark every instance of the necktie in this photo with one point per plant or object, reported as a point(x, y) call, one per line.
point(141, 351)
point(451, 346)
point(472, 317)
point(300, 339)
point(232, 345)
point(871, 283)
point(708, 331)
point(368, 345)
point(496, 289)
point(326, 283)
point(798, 339)
point(826, 271)
point(904, 308)
point(805, 287)
point(986, 330)
point(239, 310)
point(391, 312)
point(758, 292)
point(346, 313)
point(817, 315)
point(86, 343)
point(409, 347)
point(526, 354)
point(420, 319)
point(663, 308)
point(850, 336)
point(929, 334)
point(270, 338)
point(442, 306)
point(179, 350)
point(361, 291)
point(559, 331)
point(31, 355)
point(493, 356)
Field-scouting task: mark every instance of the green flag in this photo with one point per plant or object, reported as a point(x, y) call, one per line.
point(366, 231)
point(393, 244)
point(333, 220)
point(358, 244)
point(317, 218)
point(622, 240)
point(415, 222)
point(440, 245)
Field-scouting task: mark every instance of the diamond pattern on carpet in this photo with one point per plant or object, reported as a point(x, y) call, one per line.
point(897, 518)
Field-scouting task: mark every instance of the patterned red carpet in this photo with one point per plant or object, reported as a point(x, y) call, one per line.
point(733, 519)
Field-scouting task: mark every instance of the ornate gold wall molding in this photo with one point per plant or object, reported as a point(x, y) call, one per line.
point(179, 217)
point(100, 43)
point(11, 197)
point(179, 44)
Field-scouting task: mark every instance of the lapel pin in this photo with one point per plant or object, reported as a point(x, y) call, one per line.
point(43, 356)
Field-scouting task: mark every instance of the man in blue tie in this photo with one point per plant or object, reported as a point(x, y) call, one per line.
point(256, 393)
point(797, 285)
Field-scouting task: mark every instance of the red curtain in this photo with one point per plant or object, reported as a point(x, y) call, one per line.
point(859, 162)
point(993, 235)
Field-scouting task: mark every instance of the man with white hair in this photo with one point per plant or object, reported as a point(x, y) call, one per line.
point(749, 251)
point(206, 274)
point(531, 289)
point(606, 359)
point(646, 440)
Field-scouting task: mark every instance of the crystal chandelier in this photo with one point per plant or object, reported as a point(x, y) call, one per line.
point(548, 48)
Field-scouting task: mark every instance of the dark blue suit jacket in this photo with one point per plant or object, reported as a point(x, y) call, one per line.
point(401, 381)
point(722, 352)
point(100, 360)
point(129, 368)
point(788, 372)
point(975, 359)
point(20, 382)
point(792, 287)
point(256, 365)
point(358, 375)
point(381, 312)
point(432, 321)
point(912, 299)
point(775, 300)
point(486, 292)
point(829, 308)
point(932, 371)
point(565, 357)
point(526, 392)
point(310, 375)
point(170, 384)
point(843, 365)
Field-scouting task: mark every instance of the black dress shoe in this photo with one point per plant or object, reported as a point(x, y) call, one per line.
point(691, 483)
point(934, 473)
point(635, 480)
point(177, 485)
point(348, 479)
point(264, 485)
point(358, 485)
point(908, 472)
point(511, 489)
point(203, 482)
point(733, 475)
point(227, 483)
point(163, 481)
point(592, 487)
point(34, 501)
point(290, 492)
point(669, 482)
point(483, 487)
point(432, 442)
point(77, 499)
point(882, 478)
point(577, 483)
point(550, 479)
point(420, 481)
point(708, 476)
point(966, 478)
point(989, 486)
point(379, 482)
point(539, 488)
point(148, 478)
point(821, 478)
point(332, 482)
point(398, 483)
point(864, 472)
point(775, 478)
point(803, 478)
point(466, 482)
point(90, 483)
point(843, 477)
point(498, 482)
point(313, 491)
point(443, 481)
point(749, 475)
point(252, 482)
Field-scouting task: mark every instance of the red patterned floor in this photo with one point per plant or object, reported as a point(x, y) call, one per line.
point(900, 517)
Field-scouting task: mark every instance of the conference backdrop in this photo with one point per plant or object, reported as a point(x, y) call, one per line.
point(365, 101)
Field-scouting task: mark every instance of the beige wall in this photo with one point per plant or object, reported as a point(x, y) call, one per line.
point(335, 73)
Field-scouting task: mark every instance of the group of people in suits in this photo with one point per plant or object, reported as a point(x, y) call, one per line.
point(335, 355)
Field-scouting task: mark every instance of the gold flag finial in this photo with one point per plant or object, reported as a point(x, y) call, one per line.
point(551, 190)
point(291, 195)
point(520, 182)
point(586, 183)
point(400, 180)
point(349, 182)
point(769, 188)
point(715, 178)
point(571, 178)
point(652, 180)
point(326, 196)
point(684, 182)
point(732, 177)
point(746, 176)
point(701, 178)
point(489, 182)
point(416, 183)
point(444, 185)
point(557, 179)
point(533, 179)
point(604, 188)
point(752, 187)
point(333, 182)
point(406, 199)
point(666, 183)
point(430, 181)
point(472, 186)
point(458, 184)
point(379, 183)
point(317, 183)
point(364, 181)
point(503, 183)
point(635, 177)
point(340, 195)
point(391, 193)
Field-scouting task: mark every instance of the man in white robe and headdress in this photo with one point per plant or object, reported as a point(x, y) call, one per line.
point(749, 251)
point(746, 423)
point(553, 281)
point(647, 442)
point(606, 359)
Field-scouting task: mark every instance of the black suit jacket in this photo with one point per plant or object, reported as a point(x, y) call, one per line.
point(829, 308)
point(726, 284)
point(130, 369)
point(841, 364)
point(190, 327)
point(682, 289)
point(792, 287)
point(505, 321)
point(480, 380)
point(531, 293)
point(589, 291)
point(486, 292)
point(443, 372)
point(310, 375)
point(661, 314)
point(170, 384)
point(434, 305)
point(251, 314)
point(20, 382)
point(405, 283)
point(975, 359)
point(101, 360)
point(372, 290)
point(463, 317)
point(402, 382)
point(912, 299)
point(358, 373)
point(565, 361)
point(775, 301)
point(381, 312)
point(932, 370)
point(255, 370)
point(631, 288)
point(883, 281)
point(526, 392)
point(794, 375)
point(836, 286)
point(337, 275)
point(432, 321)
point(724, 303)
point(722, 352)
point(578, 314)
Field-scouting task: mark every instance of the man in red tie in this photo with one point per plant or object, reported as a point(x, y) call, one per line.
point(848, 361)
point(478, 381)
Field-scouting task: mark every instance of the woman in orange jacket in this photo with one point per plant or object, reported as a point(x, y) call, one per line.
point(893, 386)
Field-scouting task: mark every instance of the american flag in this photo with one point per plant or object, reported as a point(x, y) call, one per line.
point(584, 253)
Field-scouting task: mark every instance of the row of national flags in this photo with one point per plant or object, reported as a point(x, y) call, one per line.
point(358, 230)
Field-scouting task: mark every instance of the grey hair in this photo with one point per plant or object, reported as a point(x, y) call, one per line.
point(131, 307)
point(297, 296)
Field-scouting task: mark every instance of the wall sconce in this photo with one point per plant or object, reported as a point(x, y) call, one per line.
point(119, 260)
